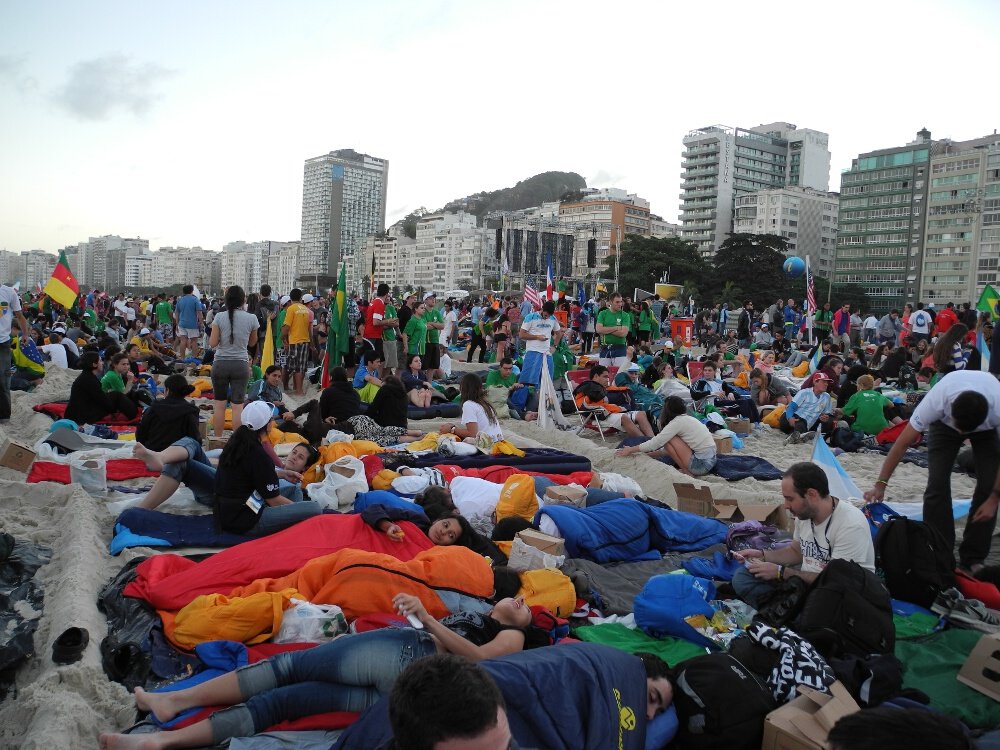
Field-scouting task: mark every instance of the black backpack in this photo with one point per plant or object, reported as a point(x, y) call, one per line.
point(915, 560)
point(720, 704)
point(847, 611)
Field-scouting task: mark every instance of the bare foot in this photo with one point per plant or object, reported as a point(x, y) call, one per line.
point(159, 704)
point(129, 741)
point(148, 457)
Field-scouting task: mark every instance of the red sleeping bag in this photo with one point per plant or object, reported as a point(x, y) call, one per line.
point(169, 582)
point(57, 410)
point(499, 474)
point(119, 469)
point(891, 434)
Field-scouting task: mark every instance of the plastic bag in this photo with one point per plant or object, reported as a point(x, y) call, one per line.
point(336, 436)
point(446, 365)
point(89, 472)
point(525, 557)
point(306, 622)
point(345, 478)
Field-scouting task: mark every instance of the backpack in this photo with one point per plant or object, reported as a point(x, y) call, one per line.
point(915, 560)
point(848, 440)
point(720, 704)
point(847, 611)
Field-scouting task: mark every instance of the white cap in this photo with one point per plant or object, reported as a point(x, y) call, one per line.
point(635, 367)
point(144, 332)
point(429, 295)
point(307, 298)
point(60, 328)
point(285, 299)
point(669, 344)
point(257, 414)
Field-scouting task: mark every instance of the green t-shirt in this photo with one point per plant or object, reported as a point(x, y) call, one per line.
point(164, 312)
point(389, 333)
point(416, 332)
point(869, 407)
point(280, 321)
point(433, 316)
point(495, 380)
point(112, 381)
point(645, 321)
point(612, 319)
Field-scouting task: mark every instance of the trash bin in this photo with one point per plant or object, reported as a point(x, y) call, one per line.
point(683, 327)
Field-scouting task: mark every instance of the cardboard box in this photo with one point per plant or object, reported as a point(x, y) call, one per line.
point(217, 442)
point(203, 430)
point(739, 426)
point(566, 495)
point(723, 443)
point(804, 723)
point(552, 545)
point(698, 500)
point(981, 670)
point(15, 455)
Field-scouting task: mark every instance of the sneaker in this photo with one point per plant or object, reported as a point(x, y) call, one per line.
point(69, 646)
point(794, 439)
point(971, 613)
point(514, 413)
point(946, 601)
point(807, 436)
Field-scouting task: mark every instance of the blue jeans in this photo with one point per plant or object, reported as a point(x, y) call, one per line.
point(595, 495)
point(199, 474)
point(275, 518)
point(348, 674)
point(751, 589)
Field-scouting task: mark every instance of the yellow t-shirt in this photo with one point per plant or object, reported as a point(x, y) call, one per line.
point(143, 306)
point(141, 343)
point(297, 319)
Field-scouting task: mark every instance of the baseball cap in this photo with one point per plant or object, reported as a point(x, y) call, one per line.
point(429, 295)
point(821, 376)
point(144, 332)
point(669, 344)
point(764, 325)
point(285, 299)
point(307, 298)
point(257, 414)
point(634, 367)
point(60, 328)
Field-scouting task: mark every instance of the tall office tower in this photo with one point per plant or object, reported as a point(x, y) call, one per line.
point(723, 163)
point(343, 202)
point(880, 232)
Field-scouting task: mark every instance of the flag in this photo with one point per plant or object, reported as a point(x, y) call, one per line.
point(372, 295)
point(582, 296)
point(267, 356)
point(984, 351)
point(841, 484)
point(194, 291)
point(504, 268)
point(63, 287)
point(814, 359)
point(548, 280)
point(810, 301)
point(531, 294)
point(988, 301)
point(338, 339)
point(24, 355)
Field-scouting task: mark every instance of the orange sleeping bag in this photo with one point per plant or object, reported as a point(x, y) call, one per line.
point(362, 583)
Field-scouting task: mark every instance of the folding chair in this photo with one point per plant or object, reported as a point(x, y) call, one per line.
point(694, 371)
point(589, 418)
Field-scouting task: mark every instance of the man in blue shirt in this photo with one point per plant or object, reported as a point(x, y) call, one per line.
point(368, 376)
point(811, 409)
point(189, 322)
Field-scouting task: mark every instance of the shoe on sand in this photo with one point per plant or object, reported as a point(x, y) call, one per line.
point(794, 439)
point(69, 647)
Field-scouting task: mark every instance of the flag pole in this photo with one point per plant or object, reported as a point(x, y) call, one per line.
point(809, 309)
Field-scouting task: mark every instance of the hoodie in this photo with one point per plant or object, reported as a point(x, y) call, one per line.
point(166, 421)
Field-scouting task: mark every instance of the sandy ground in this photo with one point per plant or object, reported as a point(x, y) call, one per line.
point(67, 706)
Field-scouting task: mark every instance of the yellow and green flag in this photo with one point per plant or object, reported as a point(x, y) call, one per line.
point(338, 337)
point(63, 287)
point(988, 301)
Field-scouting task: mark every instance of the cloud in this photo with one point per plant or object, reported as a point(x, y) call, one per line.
point(12, 72)
point(97, 88)
point(603, 178)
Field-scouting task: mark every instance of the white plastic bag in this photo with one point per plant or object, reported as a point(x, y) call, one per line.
point(345, 478)
point(89, 472)
point(311, 623)
point(446, 365)
point(525, 557)
point(336, 436)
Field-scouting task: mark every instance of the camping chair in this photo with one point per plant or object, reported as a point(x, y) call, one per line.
point(694, 370)
point(589, 418)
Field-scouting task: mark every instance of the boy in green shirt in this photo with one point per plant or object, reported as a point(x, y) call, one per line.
point(868, 407)
point(613, 325)
point(164, 313)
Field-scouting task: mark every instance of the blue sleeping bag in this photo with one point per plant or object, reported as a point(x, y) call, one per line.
point(623, 530)
point(138, 527)
point(581, 696)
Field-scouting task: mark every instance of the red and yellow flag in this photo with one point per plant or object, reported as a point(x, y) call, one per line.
point(63, 287)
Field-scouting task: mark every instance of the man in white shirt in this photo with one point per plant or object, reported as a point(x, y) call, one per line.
point(826, 528)
point(66, 341)
point(920, 324)
point(119, 307)
point(870, 329)
point(964, 405)
point(541, 333)
point(10, 310)
point(450, 324)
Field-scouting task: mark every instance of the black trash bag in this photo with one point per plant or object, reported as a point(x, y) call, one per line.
point(125, 652)
point(19, 592)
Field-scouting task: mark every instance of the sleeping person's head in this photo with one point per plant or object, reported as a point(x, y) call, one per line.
point(301, 458)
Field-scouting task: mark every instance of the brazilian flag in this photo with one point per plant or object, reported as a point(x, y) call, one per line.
point(26, 356)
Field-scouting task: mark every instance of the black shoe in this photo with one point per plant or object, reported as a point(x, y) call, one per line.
point(69, 647)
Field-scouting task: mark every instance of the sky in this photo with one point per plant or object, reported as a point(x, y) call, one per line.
point(187, 123)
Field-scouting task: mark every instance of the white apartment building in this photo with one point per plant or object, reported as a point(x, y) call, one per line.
point(248, 264)
point(392, 255)
point(188, 265)
point(139, 270)
point(450, 252)
point(343, 202)
point(8, 267)
point(806, 218)
point(962, 235)
point(722, 163)
point(282, 267)
point(34, 267)
point(661, 229)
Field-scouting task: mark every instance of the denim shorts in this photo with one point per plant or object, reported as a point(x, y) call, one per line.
point(702, 463)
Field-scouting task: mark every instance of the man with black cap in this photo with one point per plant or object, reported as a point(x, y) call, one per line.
point(171, 418)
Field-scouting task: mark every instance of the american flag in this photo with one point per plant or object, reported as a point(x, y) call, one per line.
point(810, 292)
point(531, 294)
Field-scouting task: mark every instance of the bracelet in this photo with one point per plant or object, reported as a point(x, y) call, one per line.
point(883, 482)
point(781, 572)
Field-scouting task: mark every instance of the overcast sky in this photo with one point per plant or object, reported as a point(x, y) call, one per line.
point(188, 122)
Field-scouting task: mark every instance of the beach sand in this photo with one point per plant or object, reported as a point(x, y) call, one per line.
point(68, 706)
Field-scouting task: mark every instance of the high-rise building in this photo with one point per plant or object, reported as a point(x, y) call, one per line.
point(806, 218)
point(612, 218)
point(35, 267)
point(962, 235)
point(248, 264)
point(880, 233)
point(723, 163)
point(176, 266)
point(343, 202)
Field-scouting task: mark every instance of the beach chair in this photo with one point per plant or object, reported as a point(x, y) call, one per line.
point(694, 370)
point(589, 418)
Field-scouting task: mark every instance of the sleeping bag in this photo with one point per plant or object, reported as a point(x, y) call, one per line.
point(627, 529)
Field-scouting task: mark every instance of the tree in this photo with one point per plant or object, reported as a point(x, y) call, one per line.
point(644, 261)
point(753, 261)
point(465, 283)
point(732, 295)
point(853, 294)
